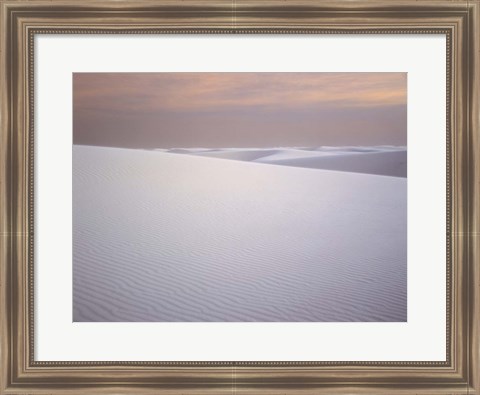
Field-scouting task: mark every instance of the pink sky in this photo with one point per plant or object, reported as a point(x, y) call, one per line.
point(164, 110)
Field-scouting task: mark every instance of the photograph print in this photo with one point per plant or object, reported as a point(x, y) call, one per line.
point(239, 197)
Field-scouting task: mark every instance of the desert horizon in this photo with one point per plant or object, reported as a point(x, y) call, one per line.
point(240, 197)
point(386, 160)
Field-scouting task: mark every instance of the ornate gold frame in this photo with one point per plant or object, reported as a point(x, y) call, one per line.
point(21, 20)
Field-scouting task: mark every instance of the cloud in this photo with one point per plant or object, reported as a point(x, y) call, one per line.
point(213, 92)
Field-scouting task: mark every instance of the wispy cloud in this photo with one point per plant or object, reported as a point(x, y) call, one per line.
point(203, 92)
point(239, 109)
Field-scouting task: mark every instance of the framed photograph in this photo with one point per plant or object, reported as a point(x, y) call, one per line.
point(250, 197)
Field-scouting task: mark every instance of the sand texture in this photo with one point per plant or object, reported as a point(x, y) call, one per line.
point(163, 236)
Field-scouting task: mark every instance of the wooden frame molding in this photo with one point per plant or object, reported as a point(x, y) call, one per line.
point(22, 20)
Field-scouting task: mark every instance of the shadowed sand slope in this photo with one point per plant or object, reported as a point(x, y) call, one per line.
point(381, 160)
point(392, 163)
point(159, 236)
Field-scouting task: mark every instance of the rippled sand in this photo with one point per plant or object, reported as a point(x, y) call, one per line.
point(159, 236)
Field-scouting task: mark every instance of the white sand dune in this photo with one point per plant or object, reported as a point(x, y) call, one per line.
point(360, 149)
point(393, 163)
point(166, 237)
point(245, 155)
point(381, 160)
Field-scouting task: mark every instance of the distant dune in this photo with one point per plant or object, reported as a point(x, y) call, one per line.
point(393, 163)
point(160, 236)
point(381, 160)
point(245, 155)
